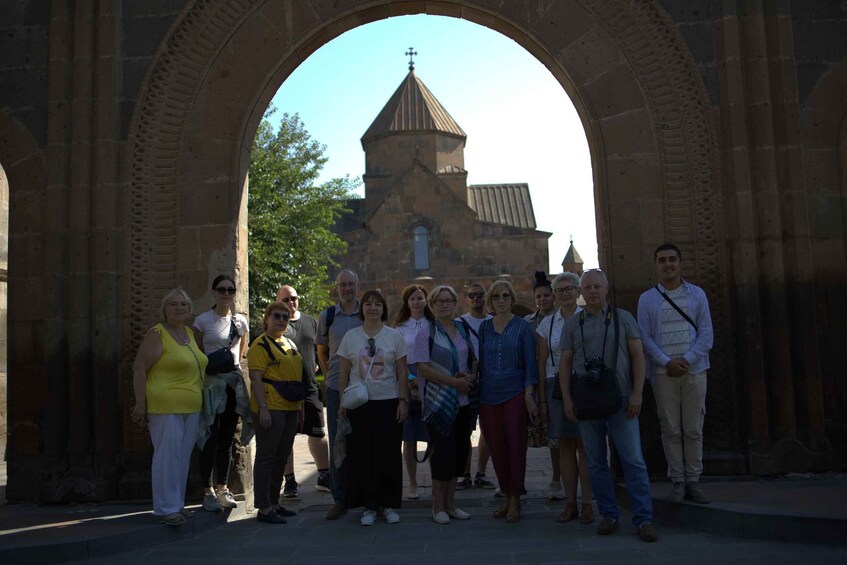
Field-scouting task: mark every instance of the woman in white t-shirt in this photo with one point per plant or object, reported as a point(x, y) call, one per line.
point(225, 396)
point(375, 354)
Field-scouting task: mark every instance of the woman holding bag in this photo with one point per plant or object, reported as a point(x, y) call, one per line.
point(444, 358)
point(276, 377)
point(375, 355)
point(224, 392)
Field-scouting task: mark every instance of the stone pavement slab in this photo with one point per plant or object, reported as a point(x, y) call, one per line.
point(126, 532)
point(309, 538)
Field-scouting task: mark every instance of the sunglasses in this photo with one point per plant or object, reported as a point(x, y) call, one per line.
point(288, 299)
point(371, 347)
point(225, 290)
point(281, 316)
point(475, 294)
point(496, 297)
point(445, 302)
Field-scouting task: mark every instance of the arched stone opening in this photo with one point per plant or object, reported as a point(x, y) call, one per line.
point(640, 96)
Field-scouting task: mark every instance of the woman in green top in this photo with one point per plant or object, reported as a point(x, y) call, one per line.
point(167, 382)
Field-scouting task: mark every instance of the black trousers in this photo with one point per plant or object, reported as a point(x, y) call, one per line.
point(216, 457)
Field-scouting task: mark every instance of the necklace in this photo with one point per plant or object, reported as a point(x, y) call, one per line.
point(181, 337)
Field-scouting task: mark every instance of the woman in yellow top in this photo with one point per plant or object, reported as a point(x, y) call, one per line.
point(167, 382)
point(276, 378)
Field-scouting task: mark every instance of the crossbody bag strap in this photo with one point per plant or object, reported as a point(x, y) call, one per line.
point(232, 331)
point(677, 308)
point(550, 340)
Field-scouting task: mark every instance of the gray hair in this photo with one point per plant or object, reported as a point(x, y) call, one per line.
point(350, 271)
point(170, 293)
point(594, 272)
point(566, 276)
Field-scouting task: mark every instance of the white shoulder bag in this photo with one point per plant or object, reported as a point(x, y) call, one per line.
point(356, 393)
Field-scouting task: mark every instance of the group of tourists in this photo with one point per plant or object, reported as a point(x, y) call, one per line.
point(575, 373)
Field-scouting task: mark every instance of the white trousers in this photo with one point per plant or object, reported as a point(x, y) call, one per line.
point(173, 438)
point(681, 404)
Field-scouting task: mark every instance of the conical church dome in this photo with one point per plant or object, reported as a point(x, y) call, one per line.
point(412, 108)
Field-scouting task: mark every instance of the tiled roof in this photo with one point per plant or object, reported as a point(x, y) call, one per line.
point(508, 204)
point(412, 107)
point(572, 256)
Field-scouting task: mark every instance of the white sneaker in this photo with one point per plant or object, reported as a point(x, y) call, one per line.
point(555, 491)
point(390, 515)
point(368, 518)
point(440, 517)
point(210, 503)
point(226, 499)
point(458, 514)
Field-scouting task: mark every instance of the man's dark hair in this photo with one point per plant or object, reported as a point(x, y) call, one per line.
point(667, 247)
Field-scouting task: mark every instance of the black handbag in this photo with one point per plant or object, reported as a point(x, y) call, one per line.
point(222, 360)
point(598, 398)
point(293, 391)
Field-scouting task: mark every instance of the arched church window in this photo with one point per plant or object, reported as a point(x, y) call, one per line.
point(421, 248)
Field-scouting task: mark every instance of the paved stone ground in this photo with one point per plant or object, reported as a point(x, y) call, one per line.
point(35, 534)
point(309, 538)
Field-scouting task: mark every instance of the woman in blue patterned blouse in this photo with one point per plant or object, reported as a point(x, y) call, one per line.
point(507, 378)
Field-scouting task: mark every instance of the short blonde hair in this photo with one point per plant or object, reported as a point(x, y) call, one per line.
point(499, 285)
point(170, 293)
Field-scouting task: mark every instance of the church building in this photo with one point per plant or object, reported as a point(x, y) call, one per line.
point(420, 222)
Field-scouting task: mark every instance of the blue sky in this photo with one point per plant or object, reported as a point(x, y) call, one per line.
point(520, 123)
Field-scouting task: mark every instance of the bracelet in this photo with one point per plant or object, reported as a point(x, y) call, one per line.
point(402, 400)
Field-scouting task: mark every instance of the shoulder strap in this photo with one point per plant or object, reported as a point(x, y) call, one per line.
point(468, 327)
point(462, 328)
point(232, 329)
point(550, 339)
point(616, 321)
point(329, 318)
point(263, 343)
point(677, 308)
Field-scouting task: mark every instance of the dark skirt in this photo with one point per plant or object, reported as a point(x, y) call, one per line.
point(374, 464)
point(450, 453)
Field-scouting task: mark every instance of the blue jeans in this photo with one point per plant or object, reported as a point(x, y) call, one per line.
point(624, 434)
point(338, 480)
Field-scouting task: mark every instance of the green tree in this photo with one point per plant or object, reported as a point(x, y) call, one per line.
point(291, 217)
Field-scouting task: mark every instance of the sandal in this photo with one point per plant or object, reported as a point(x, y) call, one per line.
point(569, 513)
point(502, 511)
point(587, 515)
point(514, 513)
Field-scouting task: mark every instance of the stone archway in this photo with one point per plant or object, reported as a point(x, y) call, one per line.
point(629, 73)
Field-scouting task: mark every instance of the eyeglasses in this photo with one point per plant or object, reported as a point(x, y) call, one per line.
point(288, 299)
point(225, 290)
point(371, 346)
point(348, 284)
point(445, 302)
point(475, 294)
point(496, 297)
point(281, 316)
point(566, 290)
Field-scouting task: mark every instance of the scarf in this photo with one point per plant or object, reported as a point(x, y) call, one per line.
point(442, 402)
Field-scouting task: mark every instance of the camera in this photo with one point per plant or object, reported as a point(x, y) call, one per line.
point(594, 368)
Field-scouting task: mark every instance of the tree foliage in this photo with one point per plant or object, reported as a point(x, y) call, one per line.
point(291, 217)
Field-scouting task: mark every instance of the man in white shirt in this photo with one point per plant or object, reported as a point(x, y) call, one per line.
point(676, 330)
